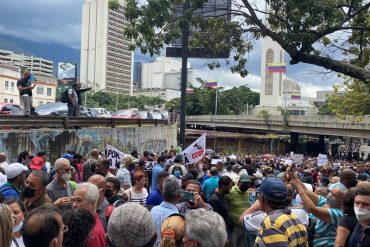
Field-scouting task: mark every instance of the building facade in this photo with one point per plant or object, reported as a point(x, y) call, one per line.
point(138, 68)
point(106, 60)
point(38, 66)
point(43, 93)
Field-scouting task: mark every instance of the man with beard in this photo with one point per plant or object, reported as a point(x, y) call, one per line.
point(238, 201)
point(193, 187)
point(219, 203)
point(35, 192)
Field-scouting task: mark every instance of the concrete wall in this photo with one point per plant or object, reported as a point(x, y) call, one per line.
point(56, 142)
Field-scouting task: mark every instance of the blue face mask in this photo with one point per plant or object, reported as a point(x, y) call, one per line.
point(18, 227)
point(177, 174)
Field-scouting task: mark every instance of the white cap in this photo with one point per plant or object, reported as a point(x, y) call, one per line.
point(14, 169)
point(258, 175)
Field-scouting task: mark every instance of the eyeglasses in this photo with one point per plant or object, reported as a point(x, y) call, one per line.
point(65, 228)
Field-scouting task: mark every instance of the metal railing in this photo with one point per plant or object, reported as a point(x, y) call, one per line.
point(56, 122)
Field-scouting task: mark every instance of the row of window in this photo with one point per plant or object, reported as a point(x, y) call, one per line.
point(40, 90)
point(10, 85)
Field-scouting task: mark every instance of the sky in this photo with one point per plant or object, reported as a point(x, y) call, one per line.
point(59, 22)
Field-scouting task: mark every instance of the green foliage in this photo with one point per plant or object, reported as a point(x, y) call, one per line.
point(108, 101)
point(350, 100)
point(310, 31)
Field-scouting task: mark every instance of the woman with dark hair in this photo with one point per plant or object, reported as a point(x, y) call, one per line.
point(80, 223)
point(349, 221)
point(19, 213)
point(24, 158)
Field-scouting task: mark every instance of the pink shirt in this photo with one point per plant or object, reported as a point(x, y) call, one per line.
point(97, 235)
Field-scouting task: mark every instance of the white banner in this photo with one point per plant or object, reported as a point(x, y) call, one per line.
point(114, 155)
point(195, 151)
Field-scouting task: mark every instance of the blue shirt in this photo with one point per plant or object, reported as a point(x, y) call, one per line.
point(159, 214)
point(9, 191)
point(154, 198)
point(210, 185)
point(155, 171)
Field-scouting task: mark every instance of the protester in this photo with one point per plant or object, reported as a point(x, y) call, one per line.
point(195, 188)
point(102, 168)
point(178, 169)
point(25, 158)
point(25, 92)
point(219, 203)
point(6, 226)
point(138, 193)
point(44, 227)
point(171, 196)
point(172, 231)
point(34, 193)
point(157, 169)
point(89, 165)
point(60, 190)
point(86, 196)
point(16, 176)
point(80, 223)
point(79, 91)
point(111, 193)
point(123, 174)
point(131, 225)
point(102, 203)
point(281, 226)
point(19, 212)
point(205, 229)
point(3, 157)
point(155, 197)
point(211, 184)
point(37, 163)
point(72, 103)
point(348, 179)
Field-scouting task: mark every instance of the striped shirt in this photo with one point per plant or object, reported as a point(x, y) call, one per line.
point(282, 228)
point(325, 233)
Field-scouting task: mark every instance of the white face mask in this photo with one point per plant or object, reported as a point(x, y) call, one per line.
point(67, 176)
point(18, 227)
point(362, 214)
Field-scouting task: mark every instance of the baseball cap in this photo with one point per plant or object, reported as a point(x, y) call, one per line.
point(36, 163)
point(274, 189)
point(130, 225)
point(244, 178)
point(14, 169)
point(68, 156)
point(237, 166)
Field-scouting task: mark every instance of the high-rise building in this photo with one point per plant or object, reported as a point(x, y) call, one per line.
point(37, 65)
point(106, 60)
point(138, 67)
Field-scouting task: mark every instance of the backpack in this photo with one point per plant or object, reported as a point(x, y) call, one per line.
point(64, 98)
point(177, 171)
point(109, 209)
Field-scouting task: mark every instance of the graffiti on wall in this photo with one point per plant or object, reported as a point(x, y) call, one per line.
point(57, 142)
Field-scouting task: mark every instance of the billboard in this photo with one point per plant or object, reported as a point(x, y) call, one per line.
point(66, 70)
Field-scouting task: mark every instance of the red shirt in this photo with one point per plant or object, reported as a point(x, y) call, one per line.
point(97, 235)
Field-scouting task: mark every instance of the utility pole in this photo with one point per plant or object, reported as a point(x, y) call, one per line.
point(184, 72)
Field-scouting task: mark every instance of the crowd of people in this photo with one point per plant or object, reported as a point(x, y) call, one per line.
point(223, 200)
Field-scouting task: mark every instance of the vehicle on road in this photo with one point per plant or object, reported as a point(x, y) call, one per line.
point(127, 114)
point(102, 112)
point(59, 109)
point(10, 109)
point(146, 114)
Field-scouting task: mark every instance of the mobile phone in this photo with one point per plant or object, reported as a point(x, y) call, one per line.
point(188, 196)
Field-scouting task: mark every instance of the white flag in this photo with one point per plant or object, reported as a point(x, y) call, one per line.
point(114, 155)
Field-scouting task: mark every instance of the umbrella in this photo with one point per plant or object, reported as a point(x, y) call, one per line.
point(267, 156)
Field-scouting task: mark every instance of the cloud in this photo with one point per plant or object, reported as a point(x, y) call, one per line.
point(43, 21)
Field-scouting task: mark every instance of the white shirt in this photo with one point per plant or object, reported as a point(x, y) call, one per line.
point(74, 96)
point(19, 242)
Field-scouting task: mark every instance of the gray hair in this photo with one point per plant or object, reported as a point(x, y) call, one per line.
point(171, 190)
point(60, 162)
point(205, 227)
point(125, 160)
point(92, 191)
point(42, 176)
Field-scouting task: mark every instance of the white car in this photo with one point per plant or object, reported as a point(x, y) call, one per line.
point(102, 112)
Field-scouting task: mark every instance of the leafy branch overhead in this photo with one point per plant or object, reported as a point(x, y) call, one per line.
point(333, 34)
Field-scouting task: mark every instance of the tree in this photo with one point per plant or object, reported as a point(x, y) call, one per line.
point(333, 34)
point(350, 100)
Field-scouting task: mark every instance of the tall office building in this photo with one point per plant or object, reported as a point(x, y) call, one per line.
point(106, 60)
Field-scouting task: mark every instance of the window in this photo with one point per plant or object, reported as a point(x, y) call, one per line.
point(5, 100)
point(11, 101)
point(48, 91)
point(12, 86)
point(40, 90)
point(6, 85)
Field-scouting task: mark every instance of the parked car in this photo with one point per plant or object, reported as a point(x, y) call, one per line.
point(59, 109)
point(93, 112)
point(127, 114)
point(146, 114)
point(10, 109)
point(102, 112)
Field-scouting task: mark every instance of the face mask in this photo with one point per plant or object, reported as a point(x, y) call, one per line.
point(244, 187)
point(108, 193)
point(18, 227)
point(362, 214)
point(28, 192)
point(67, 176)
point(330, 200)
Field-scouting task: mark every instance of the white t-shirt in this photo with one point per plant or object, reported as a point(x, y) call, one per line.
point(74, 96)
point(19, 242)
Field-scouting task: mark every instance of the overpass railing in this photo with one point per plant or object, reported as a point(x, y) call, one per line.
point(56, 122)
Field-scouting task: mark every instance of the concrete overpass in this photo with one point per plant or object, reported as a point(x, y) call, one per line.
point(310, 125)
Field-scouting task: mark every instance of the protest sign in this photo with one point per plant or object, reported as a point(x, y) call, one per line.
point(114, 156)
point(322, 160)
